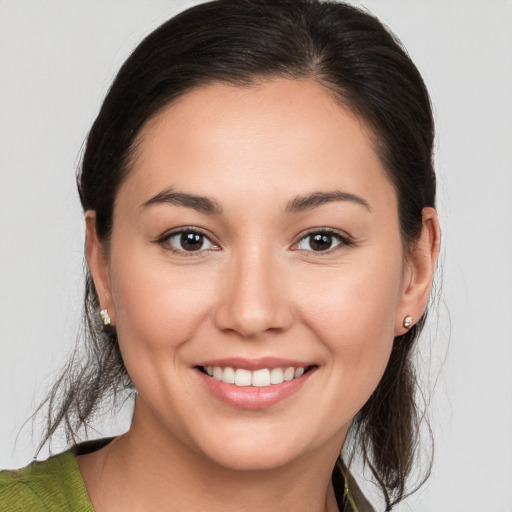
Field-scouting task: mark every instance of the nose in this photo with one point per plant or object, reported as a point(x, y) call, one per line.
point(253, 299)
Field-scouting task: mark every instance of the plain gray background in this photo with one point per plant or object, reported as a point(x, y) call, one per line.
point(57, 59)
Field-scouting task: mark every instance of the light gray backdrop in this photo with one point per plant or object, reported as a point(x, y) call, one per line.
point(57, 59)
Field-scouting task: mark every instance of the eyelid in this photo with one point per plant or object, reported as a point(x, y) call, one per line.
point(344, 239)
point(164, 240)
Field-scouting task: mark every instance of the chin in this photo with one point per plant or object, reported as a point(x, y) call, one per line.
point(254, 460)
point(264, 452)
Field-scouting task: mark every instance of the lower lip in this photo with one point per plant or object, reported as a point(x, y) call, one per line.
point(252, 397)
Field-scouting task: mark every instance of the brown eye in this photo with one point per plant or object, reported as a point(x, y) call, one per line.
point(321, 241)
point(189, 241)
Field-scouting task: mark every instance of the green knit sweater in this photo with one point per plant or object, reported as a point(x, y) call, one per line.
point(56, 485)
point(52, 485)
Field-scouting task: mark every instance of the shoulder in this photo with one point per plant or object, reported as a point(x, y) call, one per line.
point(53, 484)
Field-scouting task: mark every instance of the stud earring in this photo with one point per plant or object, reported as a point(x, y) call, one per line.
point(105, 317)
point(407, 323)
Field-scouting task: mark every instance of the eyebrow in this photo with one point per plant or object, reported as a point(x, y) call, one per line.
point(211, 206)
point(199, 203)
point(310, 201)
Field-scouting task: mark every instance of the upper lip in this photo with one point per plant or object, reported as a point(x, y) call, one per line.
point(256, 364)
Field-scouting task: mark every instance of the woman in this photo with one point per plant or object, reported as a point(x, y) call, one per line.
point(261, 239)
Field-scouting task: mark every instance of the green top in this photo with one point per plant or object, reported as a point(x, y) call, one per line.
point(52, 485)
point(56, 485)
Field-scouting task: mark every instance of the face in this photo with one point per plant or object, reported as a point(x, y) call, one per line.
point(256, 275)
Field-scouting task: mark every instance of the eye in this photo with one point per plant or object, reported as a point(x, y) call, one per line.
point(322, 241)
point(188, 240)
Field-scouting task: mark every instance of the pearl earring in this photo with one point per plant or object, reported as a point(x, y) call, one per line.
point(105, 317)
point(407, 323)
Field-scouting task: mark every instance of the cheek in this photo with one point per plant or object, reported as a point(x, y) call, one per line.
point(157, 307)
point(359, 299)
point(352, 311)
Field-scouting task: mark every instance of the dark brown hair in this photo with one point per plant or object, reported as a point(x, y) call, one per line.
point(240, 42)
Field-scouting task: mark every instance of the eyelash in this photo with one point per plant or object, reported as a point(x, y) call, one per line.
point(343, 239)
point(164, 241)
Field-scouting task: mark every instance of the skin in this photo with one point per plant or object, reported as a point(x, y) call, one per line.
point(255, 289)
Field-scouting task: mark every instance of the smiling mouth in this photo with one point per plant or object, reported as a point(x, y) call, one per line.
point(258, 378)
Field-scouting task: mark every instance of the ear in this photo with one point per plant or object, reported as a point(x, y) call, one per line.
point(419, 272)
point(98, 264)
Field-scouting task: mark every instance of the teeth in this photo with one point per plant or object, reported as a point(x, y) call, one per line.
point(289, 373)
point(257, 378)
point(243, 377)
point(228, 375)
point(261, 378)
point(276, 376)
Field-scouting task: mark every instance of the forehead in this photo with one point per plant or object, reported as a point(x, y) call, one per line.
point(292, 136)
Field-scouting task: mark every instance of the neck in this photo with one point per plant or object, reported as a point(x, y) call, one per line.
point(154, 471)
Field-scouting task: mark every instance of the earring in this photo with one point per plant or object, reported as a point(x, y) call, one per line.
point(105, 317)
point(407, 322)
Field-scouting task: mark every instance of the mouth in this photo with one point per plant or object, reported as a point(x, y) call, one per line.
point(262, 377)
point(254, 383)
